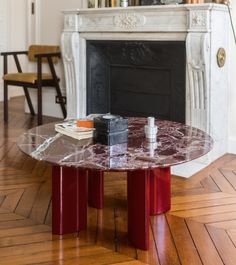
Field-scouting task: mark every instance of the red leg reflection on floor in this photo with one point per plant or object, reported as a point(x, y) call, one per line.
point(69, 200)
point(138, 208)
point(96, 188)
point(160, 190)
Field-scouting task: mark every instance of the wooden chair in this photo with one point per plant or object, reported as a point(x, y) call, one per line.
point(40, 54)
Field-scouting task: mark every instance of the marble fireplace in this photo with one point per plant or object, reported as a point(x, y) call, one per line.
point(203, 29)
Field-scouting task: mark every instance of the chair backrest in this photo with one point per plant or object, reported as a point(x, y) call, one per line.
point(37, 49)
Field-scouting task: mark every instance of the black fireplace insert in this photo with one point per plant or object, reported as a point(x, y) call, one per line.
point(137, 78)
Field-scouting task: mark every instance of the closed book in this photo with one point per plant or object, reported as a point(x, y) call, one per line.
point(102, 3)
point(118, 3)
point(70, 129)
point(91, 3)
point(113, 3)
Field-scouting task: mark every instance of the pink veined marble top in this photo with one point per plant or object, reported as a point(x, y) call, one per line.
point(176, 143)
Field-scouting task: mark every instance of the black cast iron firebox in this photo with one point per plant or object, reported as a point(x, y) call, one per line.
point(137, 78)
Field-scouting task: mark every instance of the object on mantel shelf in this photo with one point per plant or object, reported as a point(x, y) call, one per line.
point(194, 1)
point(225, 2)
point(112, 3)
point(171, 2)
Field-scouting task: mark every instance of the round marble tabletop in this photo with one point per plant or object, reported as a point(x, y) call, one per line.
point(176, 143)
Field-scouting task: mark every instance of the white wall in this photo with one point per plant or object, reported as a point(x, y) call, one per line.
point(52, 18)
point(50, 28)
point(13, 15)
point(3, 38)
point(232, 106)
point(17, 36)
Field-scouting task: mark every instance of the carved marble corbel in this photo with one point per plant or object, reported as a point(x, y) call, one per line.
point(70, 51)
point(197, 49)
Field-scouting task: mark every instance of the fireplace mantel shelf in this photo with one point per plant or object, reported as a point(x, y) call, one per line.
point(203, 27)
point(156, 8)
point(169, 18)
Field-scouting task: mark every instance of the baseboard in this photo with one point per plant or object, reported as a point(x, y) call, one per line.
point(232, 145)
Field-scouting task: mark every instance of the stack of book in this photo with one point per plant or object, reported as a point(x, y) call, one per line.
point(111, 3)
point(71, 129)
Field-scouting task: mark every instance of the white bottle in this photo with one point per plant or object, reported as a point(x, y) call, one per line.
point(151, 130)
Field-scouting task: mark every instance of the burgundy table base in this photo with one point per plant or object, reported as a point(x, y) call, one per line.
point(148, 194)
point(69, 200)
point(148, 189)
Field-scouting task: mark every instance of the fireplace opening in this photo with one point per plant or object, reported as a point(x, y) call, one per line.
point(137, 78)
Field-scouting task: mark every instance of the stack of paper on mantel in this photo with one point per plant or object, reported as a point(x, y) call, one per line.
point(72, 130)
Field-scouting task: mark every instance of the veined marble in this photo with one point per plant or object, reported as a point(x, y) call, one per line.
point(176, 144)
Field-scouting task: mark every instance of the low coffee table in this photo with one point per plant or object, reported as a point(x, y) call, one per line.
point(78, 167)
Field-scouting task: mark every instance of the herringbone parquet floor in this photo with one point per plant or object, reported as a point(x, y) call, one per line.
point(199, 229)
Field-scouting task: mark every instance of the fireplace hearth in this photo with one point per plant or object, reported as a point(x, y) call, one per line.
point(137, 78)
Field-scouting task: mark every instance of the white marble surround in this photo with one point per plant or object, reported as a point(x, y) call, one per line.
point(204, 27)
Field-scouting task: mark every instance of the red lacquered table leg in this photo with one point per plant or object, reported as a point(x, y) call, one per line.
point(160, 190)
point(82, 199)
point(138, 208)
point(69, 200)
point(96, 188)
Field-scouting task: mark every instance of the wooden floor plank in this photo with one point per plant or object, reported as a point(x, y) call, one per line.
point(51, 255)
point(123, 244)
point(203, 204)
point(27, 200)
point(10, 217)
point(11, 201)
point(230, 176)
point(26, 239)
point(200, 197)
point(209, 184)
point(211, 218)
point(166, 248)
point(150, 257)
point(229, 224)
point(187, 251)
point(232, 234)
point(223, 244)
point(205, 211)
point(204, 244)
point(42, 203)
point(16, 223)
point(222, 182)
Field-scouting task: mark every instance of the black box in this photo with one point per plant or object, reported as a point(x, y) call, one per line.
point(113, 124)
point(150, 2)
point(111, 129)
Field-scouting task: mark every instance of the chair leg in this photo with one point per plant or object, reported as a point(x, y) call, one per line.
point(27, 96)
point(5, 108)
point(40, 119)
point(63, 108)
